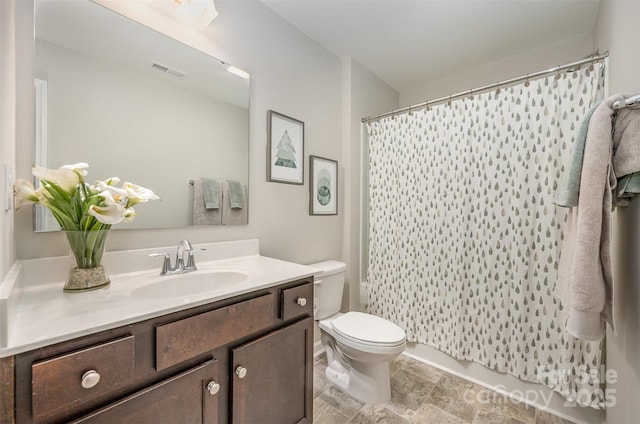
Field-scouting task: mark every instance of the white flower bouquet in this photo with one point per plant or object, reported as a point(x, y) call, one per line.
point(84, 211)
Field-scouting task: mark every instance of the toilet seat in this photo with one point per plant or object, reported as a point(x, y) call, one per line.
point(368, 329)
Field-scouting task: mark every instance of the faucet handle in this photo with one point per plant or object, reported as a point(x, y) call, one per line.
point(191, 262)
point(166, 264)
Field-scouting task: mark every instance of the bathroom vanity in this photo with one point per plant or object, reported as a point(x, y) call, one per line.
point(238, 353)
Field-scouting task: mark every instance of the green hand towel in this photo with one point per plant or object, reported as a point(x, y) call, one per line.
point(236, 199)
point(568, 190)
point(211, 192)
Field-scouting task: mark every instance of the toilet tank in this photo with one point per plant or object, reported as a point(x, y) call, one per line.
point(328, 286)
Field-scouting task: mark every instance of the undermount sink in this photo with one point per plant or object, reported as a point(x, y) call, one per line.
point(192, 283)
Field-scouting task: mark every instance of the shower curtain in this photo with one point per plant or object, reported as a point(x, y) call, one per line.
point(464, 240)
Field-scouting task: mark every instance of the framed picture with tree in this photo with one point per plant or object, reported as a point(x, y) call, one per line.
point(285, 149)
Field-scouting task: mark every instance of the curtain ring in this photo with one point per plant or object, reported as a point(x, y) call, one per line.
point(591, 67)
point(498, 89)
point(557, 77)
point(449, 102)
point(526, 82)
point(471, 94)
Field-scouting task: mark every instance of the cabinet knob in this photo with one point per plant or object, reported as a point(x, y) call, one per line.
point(241, 372)
point(301, 301)
point(90, 379)
point(213, 387)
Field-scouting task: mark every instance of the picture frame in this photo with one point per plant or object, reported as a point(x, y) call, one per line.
point(323, 186)
point(285, 149)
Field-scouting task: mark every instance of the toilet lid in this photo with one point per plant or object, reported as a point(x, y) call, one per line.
point(368, 328)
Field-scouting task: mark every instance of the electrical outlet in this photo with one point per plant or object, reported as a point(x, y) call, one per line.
point(8, 188)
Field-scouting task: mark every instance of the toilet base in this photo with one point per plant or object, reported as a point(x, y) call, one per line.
point(366, 382)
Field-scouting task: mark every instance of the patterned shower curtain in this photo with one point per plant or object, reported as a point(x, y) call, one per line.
point(464, 240)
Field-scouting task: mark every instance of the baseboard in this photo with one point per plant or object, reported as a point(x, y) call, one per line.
point(504, 384)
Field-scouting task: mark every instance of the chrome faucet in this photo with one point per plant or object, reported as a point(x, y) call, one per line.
point(184, 246)
point(180, 267)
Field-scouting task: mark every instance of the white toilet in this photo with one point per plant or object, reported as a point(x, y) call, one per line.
point(358, 346)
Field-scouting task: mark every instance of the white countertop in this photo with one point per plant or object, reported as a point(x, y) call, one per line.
point(38, 313)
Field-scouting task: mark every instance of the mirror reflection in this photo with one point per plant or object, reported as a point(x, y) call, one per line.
point(136, 104)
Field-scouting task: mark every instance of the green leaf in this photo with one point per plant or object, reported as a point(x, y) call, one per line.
point(63, 219)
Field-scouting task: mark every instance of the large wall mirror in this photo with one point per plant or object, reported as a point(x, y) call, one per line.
point(136, 104)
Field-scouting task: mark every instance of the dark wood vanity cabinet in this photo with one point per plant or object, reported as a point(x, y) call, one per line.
point(246, 359)
point(271, 382)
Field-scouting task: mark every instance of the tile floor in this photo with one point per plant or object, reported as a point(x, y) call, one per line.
point(421, 394)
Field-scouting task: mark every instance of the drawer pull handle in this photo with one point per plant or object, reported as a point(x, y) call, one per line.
point(90, 379)
point(213, 387)
point(241, 372)
point(301, 301)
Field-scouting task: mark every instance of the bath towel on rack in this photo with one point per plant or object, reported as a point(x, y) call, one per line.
point(585, 279)
point(627, 129)
point(202, 215)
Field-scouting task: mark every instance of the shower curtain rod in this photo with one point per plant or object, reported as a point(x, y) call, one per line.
point(589, 59)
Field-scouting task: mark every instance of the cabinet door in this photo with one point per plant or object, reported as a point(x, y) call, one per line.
point(272, 377)
point(189, 397)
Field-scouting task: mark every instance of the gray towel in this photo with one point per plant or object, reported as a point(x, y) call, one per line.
point(202, 216)
point(626, 154)
point(568, 190)
point(211, 190)
point(236, 198)
point(232, 216)
point(585, 277)
point(626, 141)
point(628, 188)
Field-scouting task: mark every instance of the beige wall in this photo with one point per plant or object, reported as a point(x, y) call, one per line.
point(290, 74)
point(618, 32)
point(538, 59)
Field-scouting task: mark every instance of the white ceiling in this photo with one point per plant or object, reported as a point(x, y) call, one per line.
point(408, 42)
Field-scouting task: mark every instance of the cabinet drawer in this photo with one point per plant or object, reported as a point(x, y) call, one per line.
point(193, 336)
point(57, 383)
point(189, 397)
point(296, 301)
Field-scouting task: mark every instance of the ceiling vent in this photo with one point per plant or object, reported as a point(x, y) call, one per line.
point(167, 70)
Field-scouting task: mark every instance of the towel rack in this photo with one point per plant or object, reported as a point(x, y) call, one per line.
point(628, 101)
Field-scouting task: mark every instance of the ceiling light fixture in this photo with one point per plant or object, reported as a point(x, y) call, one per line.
point(237, 71)
point(201, 11)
